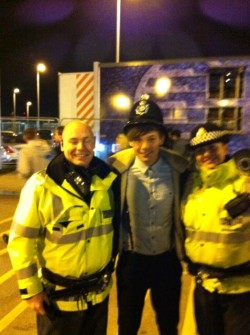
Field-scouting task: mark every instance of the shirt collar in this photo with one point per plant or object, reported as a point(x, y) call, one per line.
point(144, 168)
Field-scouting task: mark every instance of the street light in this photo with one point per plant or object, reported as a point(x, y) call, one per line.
point(28, 104)
point(15, 92)
point(39, 69)
point(118, 30)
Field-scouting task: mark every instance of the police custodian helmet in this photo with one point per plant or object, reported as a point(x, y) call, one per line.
point(145, 111)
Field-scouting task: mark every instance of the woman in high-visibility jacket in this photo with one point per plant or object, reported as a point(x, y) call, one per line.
point(64, 226)
point(216, 214)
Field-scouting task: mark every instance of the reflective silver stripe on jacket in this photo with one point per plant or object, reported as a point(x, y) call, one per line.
point(233, 237)
point(24, 231)
point(83, 235)
point(27, 272)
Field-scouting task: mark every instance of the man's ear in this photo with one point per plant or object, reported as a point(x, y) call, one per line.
point(163, 137)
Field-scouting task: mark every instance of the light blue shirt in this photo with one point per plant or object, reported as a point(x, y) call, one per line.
point(150, 206)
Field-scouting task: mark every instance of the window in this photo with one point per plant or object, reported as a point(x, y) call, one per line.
point(227, 117)
point(226, 83)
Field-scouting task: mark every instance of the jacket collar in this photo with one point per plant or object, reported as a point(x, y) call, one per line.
point(122, 160)
point(59, 166)
point(222, 173)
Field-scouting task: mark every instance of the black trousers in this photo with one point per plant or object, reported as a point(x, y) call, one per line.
point(135, 275)
point(221, 314)
point(93, 321)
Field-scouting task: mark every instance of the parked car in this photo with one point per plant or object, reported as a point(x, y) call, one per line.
point(8, 136)
point(8, 154)
point(45, 134)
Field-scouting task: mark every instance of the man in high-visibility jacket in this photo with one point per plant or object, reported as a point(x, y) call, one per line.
point(61, 239)
point(216, 214)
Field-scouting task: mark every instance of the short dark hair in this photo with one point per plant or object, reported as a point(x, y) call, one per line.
point(175, 132)
point(142, 129)
point(59, 129)
point(30, 133)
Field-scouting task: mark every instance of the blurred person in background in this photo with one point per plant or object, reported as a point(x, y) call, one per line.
point(216, 215)
point(34, 156)
point(121, 142)
point(57, 140)
point(177, 143)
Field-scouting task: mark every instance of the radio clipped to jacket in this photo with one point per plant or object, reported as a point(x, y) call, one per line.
point(238, 205)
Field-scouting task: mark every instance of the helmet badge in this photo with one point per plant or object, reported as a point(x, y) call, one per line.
point(143, 106)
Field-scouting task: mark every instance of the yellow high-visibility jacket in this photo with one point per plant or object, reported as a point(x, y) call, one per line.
point(213, 237)
point(54, 228)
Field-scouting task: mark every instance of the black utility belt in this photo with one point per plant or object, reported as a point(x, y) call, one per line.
point(93, 283)
point(221, 273)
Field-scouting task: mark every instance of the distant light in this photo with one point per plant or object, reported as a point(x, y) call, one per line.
point(121, 102)
point(16, 90)
point(162, 86)
point(224, 103)
point(179, 114)
point(100, 147)
point(41, 67)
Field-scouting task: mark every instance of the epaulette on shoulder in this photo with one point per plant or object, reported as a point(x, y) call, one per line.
point(40, 177)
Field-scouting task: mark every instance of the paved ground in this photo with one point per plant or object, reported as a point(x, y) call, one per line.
point(10, 183)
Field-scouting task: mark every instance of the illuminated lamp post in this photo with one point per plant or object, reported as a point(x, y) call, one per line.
point(15, 92)
point(40, 68)
point(118, 30)
point(28, 104)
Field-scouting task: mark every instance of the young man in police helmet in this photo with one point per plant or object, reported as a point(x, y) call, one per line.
point(216, 214)
point(65, 220)
point(150, 230)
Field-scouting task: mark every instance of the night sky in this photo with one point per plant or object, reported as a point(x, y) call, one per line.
point(69, 35)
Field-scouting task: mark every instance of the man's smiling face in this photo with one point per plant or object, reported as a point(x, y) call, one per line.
point(147, 147)
point(78, 144)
